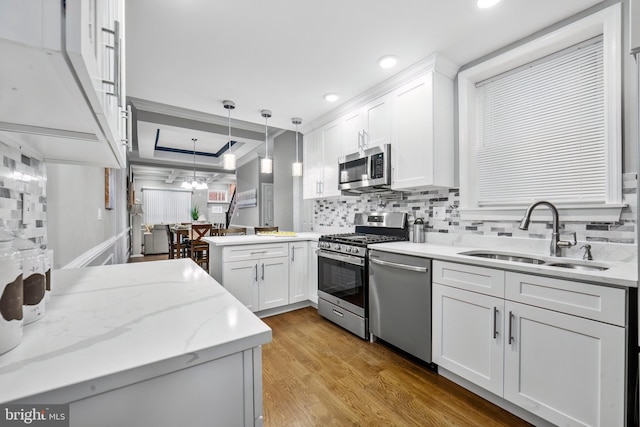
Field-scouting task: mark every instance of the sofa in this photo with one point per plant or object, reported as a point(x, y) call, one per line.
point(155, 240)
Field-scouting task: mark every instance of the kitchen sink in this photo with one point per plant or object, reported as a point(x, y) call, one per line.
point(504, 257)
point(578, 266)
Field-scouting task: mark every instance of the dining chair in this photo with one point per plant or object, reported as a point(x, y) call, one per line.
point(231, 231)
point(265, 229)
point(199, 249)
point(171, 240)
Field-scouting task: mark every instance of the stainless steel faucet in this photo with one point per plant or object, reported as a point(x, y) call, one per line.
point(556, 244)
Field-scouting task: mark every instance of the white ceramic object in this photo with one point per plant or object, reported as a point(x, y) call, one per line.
point(34, 284)
point(11, 315)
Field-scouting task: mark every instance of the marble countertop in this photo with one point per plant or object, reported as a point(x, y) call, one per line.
point(111, 326)
point(619, 273)
point(253, 239)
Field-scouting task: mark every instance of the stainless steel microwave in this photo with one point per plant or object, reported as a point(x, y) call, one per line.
point(365, 171)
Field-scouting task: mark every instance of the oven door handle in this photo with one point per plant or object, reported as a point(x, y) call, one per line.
point(400, 266)
point(339, 257)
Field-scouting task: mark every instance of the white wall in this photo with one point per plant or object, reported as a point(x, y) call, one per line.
point(247, 178)
point(75, 199)
point(287, 195)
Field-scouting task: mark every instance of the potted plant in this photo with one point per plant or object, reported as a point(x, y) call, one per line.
point(195, 213)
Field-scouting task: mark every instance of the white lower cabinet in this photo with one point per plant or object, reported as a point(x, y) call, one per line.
point(264, 276)
point(229, 387)
point(259, 284)
point(313, 272)
point(467, 335)
point(241, 279)
point(298, 272)
point(259, 276)
point(273, 288)
point(565, 369)
point(561, 366)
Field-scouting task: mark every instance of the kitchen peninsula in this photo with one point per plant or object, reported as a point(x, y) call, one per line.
point(269, 274)
point(158, 343)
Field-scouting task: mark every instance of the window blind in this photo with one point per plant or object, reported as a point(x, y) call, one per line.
point(541, 130)
point(166, 206)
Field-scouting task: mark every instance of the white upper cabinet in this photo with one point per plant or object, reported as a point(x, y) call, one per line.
point(312, 158)
point(331, 144)
point(368, 126)
point(422, 148)
point(62, 79)
point(321, 153)
point(352, 126)
point(377, 122)
point(413, 112)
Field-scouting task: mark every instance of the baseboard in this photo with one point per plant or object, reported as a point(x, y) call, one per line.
point(283, 309)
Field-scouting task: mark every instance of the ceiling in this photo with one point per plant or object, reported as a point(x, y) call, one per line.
point(185, 57)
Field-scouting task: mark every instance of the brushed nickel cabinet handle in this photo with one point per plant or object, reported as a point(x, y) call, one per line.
point(495, 322)
point(510, 327)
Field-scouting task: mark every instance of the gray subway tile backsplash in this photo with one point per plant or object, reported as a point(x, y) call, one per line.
point(340, 213)
point(19, 175)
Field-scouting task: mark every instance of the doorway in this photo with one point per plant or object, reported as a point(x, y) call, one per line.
point(267, 205)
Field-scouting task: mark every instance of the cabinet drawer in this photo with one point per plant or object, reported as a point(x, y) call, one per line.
point(245, 252)
point(486, 281)
point(595, 302)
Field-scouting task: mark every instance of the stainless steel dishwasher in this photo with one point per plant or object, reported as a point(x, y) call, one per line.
point(400, 302)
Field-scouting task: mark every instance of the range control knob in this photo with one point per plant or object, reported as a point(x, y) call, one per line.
point(348, 249)
point(337, 247)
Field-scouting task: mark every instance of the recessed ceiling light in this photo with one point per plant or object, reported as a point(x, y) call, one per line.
point(331, 97)
point(388, 61)
point(483, 4)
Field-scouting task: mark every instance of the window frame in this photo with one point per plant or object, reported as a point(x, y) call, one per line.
point(606, 22)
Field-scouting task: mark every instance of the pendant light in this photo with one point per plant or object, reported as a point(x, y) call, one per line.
point(296, 167)
point(229, 159)
point(195, 184)
point(266, 164)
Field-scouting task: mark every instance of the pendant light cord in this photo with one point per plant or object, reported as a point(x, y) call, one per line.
point(229, 110)
point(194, 159)
point(297, 161)
point(266, 138)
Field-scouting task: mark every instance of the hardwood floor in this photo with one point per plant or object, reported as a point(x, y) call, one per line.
point(148, 258)
point(317, 374)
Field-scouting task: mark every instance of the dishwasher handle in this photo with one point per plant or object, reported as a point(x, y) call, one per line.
point(398, 265)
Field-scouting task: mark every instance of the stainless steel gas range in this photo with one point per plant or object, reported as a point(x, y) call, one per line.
point(343, 274)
